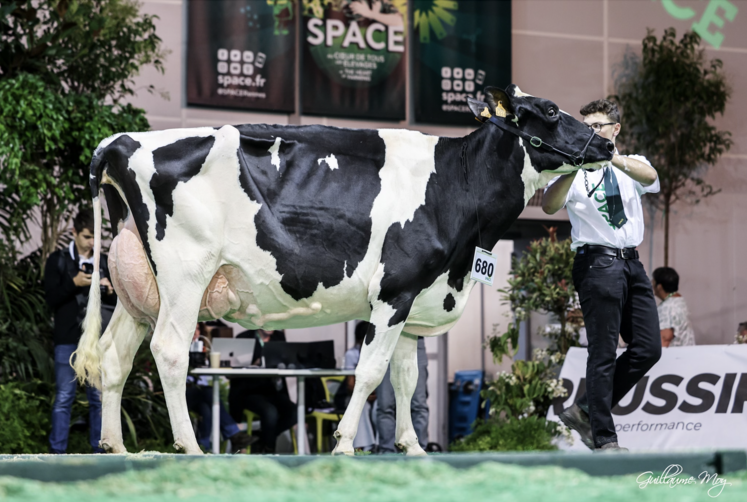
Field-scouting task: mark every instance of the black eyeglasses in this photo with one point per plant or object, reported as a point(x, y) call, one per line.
point(598, 127)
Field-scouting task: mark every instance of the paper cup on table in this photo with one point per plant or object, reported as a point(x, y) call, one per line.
point(215, 359)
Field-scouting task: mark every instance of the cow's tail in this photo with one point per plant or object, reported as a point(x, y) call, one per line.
point(86, 360)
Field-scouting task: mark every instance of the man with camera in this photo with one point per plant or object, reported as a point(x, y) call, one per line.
point(616, 297)
point(67, 280)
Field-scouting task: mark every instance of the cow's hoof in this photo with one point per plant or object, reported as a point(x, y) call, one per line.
point(112, 448)
point(416, 451)
point(413, 449)
point(340, 451)
point(343, 447)
point(188, 450)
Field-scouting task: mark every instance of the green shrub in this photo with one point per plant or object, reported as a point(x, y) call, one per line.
point(25, 418)
point(513, 434)
point(520, 399)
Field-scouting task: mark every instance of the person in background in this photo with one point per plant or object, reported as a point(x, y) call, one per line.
point(67, 281)
point(386, 413)
point(200, 401)
point(742, 332)
point(267, 397)
point(674, 321)
point(365, 438)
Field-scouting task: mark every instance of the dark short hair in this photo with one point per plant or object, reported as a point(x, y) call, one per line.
point(668, 278)
point(361, 329)
point(742, 326)
point(602, 106)
point(84, 219)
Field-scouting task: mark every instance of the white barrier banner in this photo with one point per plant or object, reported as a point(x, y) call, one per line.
point(694, 397)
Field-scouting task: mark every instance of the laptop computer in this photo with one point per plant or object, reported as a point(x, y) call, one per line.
point(300, 355)
point(237, 351)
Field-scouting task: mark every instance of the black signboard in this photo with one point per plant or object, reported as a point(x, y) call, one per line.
point(241, 54)
point(459, 47)
point(354, 58)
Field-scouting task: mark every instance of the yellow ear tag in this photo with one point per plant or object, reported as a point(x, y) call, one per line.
point(499, 110)
point(485, 113)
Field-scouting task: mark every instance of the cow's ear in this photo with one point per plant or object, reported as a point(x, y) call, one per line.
point(499, 101)
point(513, 90)
point(480, 108)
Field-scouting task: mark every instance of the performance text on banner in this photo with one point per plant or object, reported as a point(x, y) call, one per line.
point(694, 397)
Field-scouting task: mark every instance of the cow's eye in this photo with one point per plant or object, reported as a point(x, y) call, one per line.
point(552, 112)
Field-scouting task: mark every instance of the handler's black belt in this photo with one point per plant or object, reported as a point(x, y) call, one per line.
point(623, 254)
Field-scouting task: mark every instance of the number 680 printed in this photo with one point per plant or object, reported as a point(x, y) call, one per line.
point(482, 267)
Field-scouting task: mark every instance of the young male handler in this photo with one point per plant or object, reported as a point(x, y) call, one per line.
point(606, 216)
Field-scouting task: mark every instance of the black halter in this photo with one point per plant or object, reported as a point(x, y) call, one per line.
point(576, 160)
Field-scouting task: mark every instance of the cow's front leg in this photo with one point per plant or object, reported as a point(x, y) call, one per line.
point(404, 377)
point(119, 344)
point(170, 346)
point(375, 355)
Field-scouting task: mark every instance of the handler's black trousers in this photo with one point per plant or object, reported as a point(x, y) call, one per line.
point(616, 297)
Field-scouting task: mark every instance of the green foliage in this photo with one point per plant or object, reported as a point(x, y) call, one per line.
point(26, 408)
point(25, 325)
point(515, 434)
point(64, 67)
point(669, 97)
point(25, 415)
point(528, 390)
point(47, 139)
point(91, 47)
point(542, 280)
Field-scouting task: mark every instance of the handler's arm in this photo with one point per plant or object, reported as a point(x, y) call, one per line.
point(639, 171)
point(554, 198)
point(667, 335)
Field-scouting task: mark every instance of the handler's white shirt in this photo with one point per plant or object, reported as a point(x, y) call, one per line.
point(590, 218)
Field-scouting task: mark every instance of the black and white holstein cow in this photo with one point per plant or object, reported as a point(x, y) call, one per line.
point(289, 227)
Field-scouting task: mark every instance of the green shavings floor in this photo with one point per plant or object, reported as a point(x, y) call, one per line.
point(347, 480)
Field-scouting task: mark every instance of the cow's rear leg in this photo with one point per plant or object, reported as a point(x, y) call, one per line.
point(170, 346)
point(375, 356)
point(404, 377)
point(118, 352)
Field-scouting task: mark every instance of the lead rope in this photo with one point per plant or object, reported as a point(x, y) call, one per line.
point(474, 202)
point(586, 183)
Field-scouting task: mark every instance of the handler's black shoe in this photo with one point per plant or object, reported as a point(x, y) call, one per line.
point(575, 418)
point(613, 446)
point(241, 440)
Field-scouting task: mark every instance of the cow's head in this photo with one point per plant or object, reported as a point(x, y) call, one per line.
point(554, 140)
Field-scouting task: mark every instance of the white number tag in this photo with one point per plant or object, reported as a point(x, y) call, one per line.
point(483, 266)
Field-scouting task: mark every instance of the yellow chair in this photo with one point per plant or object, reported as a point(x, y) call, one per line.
point(321, 416)
point(250, 417)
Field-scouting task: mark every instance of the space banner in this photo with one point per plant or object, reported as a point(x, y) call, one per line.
point(241, 54)
point(459, 47)
point(353, 58)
